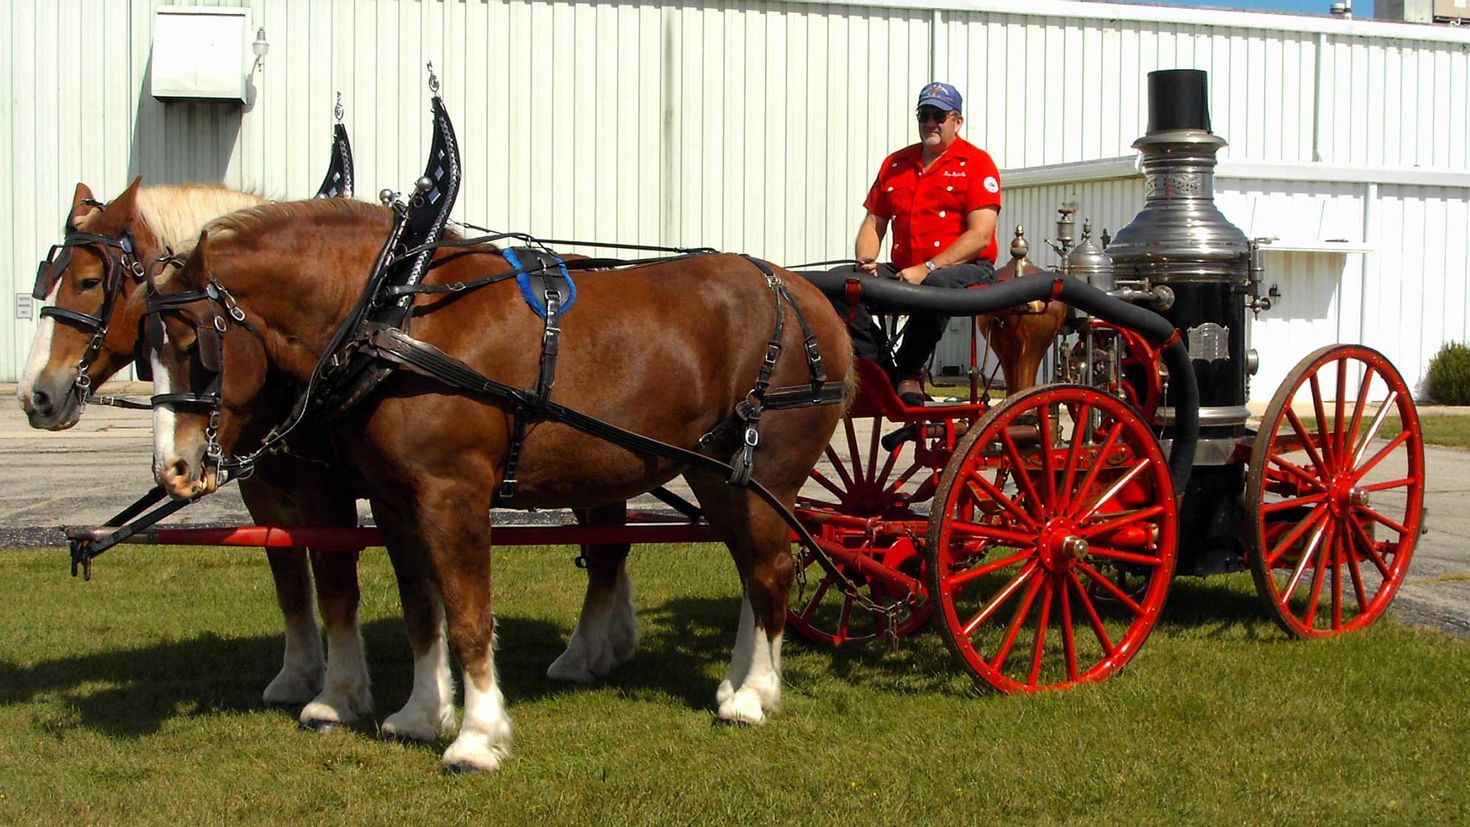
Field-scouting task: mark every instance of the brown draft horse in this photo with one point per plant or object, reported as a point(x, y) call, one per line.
point(331, 686)
point(666, 350)
point(286, 491)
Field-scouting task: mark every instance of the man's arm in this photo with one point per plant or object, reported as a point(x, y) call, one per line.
point(869, 239)
point(979, 230)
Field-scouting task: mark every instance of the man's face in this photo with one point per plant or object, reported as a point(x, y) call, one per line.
point(938, 128)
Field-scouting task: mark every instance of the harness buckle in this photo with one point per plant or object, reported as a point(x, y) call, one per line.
point(752, 437)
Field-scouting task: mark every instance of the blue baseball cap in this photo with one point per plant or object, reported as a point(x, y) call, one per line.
point(941, 96)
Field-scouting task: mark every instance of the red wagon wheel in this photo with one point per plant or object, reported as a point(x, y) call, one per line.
point(1335, 496)
point(1053, 540)
point(859, 478)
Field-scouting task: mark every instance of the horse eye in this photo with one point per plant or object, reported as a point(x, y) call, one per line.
point(89, 284)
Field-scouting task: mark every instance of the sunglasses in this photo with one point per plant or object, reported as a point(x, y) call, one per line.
point(935, 115)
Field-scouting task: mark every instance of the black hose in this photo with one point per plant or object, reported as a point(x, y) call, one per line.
point(890, 295)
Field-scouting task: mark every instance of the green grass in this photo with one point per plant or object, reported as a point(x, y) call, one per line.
point(135, 698)
point(1452, 430)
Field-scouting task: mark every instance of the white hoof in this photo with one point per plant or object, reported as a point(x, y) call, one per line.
point(571, 668)
point(742, 707)
point(587, 659)
point(419, 724)
point(478, 751)
point(724, 692)
point(293, 687)
point(337, 706)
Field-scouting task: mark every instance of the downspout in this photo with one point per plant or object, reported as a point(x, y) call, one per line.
point(1370, 259)
point(936, 21)
point(669, 135)
point(1317, 98)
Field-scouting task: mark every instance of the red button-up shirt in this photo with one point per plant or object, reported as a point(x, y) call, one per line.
point(928, 207)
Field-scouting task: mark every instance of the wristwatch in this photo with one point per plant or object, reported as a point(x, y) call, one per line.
point(929, 265)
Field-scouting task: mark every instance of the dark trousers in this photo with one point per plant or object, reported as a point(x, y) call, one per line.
point(923, 330)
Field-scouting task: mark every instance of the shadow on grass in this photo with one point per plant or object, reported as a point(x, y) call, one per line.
point(1215, 609)
point(686, 643)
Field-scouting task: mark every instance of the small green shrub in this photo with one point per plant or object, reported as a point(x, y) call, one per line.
point(1449, 375)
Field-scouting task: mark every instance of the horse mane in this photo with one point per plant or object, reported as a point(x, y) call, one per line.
point(270, 217)
point(176, 212)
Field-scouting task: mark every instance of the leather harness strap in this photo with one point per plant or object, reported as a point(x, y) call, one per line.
point(549, 280)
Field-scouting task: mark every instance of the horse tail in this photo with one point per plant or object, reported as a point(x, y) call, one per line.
point(849, 387)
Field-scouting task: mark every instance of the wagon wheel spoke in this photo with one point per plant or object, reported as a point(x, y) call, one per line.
point(1069, 645)
point(1358, 408)
point(1074, 453)
point(1308, 443)
point(1000, 598)
point(1319, 571)
point(967, 576)
point(1041, 622)
point(1092, 615)
point(1328, 457)
point(1029, 496)
point(1014, 629)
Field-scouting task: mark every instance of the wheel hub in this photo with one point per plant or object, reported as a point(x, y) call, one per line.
point(1061, 545)
point(1345, 495)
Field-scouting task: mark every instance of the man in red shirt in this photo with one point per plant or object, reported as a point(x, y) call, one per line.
point(942, 198)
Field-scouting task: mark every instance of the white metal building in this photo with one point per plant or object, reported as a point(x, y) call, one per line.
point(757, 126)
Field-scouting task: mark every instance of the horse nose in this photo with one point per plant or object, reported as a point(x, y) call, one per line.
point(41, 402)
point(178, 480)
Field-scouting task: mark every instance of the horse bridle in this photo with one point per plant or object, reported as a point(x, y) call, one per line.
point(210, 343)
point(120, 255)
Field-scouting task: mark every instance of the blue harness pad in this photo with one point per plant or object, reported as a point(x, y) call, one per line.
point(534, 284)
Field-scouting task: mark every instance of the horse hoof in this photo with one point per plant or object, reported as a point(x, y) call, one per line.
point(462, 769)
point(320, 726)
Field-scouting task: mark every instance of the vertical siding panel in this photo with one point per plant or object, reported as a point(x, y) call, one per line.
point(562, 109)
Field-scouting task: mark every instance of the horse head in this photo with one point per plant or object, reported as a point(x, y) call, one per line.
point(88, 326)
point(195, 327)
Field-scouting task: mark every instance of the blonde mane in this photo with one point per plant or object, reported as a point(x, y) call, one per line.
point(176, 213)
point(268, 216)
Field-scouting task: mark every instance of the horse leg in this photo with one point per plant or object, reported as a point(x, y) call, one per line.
point(296, 494)
point(347, 693)
point(429, 712)
point(452, 524)
point(759, 540)
point(607, 631)
point(304, 665)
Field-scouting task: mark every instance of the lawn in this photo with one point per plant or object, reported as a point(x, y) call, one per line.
point(135, 698)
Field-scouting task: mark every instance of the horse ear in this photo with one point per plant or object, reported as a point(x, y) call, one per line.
point(192, 273)
point(82, 205)
point(118, 214)
point(196, 269)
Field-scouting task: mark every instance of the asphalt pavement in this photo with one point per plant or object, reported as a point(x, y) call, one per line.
point(84, 475)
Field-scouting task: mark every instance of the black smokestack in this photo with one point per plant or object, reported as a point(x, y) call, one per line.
point(1178, 99)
